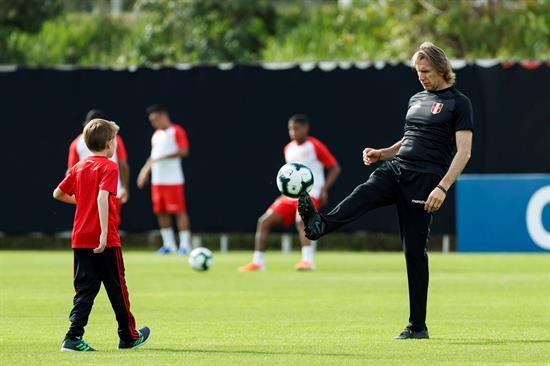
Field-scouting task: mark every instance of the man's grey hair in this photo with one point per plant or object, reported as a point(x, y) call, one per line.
point(437, 58)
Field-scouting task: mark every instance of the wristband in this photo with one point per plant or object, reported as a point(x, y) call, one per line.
point(443, 189)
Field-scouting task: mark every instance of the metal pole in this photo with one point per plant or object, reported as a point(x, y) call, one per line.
point(224, 243)
point(446, 244)
point(196, 241)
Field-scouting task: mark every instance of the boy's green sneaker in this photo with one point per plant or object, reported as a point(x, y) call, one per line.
point(76, 346)
point(144, 335)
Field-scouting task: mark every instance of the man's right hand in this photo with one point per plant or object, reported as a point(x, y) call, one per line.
point(124, 195)
point(143, 176)
point(144, 173)
point(371, 156)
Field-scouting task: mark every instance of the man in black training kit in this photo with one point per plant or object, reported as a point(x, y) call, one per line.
point(418, 171)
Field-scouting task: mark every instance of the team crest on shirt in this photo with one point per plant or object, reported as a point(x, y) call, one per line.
point(436, 107)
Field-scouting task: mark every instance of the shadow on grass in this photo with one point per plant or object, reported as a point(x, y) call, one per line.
point(455, 341)
point(184, 350)
point(483, 342)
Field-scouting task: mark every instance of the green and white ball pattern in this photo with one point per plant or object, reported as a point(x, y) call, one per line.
point(201, 259)
point(293, 179)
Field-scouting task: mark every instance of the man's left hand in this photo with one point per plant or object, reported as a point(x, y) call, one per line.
point(435, 200)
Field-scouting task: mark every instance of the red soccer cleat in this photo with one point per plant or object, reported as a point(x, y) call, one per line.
point(252, 267)
point(304, 265)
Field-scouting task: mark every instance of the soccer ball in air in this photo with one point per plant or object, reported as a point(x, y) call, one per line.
point(294, 179)
point(200, 259)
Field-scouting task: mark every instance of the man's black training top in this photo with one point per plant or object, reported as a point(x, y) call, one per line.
point(428, 144)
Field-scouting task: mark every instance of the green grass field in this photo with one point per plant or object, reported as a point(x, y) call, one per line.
point(483, 310)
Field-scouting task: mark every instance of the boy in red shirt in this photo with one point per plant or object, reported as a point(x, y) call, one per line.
point(92, 185)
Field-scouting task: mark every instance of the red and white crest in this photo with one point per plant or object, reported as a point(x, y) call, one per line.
point(436, 107)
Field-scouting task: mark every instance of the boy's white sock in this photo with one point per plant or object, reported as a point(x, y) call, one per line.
point(168, 238)
point(185, 239)
point(259, 258)
point(308, 252)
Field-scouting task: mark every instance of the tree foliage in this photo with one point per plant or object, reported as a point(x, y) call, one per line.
point(93, 40)
point(391, 29)
point(27, 15)
point(33, 32)
point(202, 30)
point(24, 17)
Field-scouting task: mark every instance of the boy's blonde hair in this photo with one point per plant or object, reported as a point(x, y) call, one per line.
point(98, 132)
point(437, 57)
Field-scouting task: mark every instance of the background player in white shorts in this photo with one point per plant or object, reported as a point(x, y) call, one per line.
point(168, 145)
point(316, 156)
point(79, 151)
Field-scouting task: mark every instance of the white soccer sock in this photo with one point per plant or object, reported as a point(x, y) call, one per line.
point(185, 239)
point(168, 238)
point(308, 252)
point(259, 258)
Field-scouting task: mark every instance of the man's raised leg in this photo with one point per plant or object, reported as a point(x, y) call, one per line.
point(379, 190)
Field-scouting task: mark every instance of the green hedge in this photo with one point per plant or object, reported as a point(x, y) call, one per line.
point(209, 31)
point(73, 39)
point(392, 29)
point(358, 241)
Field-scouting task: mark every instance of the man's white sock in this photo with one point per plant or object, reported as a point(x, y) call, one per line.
point(308, 252)
point(168, 238)
point(185, 239)
point(259, 258)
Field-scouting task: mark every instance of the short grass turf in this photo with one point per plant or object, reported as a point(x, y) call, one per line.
point(483, 310)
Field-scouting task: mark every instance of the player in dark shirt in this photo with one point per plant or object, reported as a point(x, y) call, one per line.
point(417, 172)
point(433, 118)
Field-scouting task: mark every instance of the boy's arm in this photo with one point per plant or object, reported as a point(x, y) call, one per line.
point(144, 173)
point(59, 195)
point(124, 170)
point(103, 209)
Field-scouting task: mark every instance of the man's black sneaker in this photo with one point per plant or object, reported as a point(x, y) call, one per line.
point(408, 333)
point(76, 346)
point(313, 224)
point(144, 335)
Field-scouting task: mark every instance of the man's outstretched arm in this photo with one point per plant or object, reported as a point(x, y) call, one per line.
point(463, 153)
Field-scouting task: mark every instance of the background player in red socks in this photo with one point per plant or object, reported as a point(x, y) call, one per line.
point(79, 151)
point(92, 185)
point(168, 145)
point(317, 157)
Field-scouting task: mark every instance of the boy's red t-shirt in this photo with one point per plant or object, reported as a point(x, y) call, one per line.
point(85, 180)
